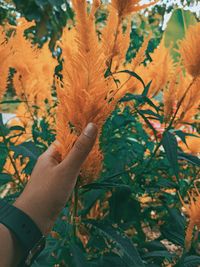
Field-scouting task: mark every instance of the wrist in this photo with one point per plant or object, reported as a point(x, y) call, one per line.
point(33, 211)
point(11, 246)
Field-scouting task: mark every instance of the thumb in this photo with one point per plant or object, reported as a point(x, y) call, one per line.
point(82, 147)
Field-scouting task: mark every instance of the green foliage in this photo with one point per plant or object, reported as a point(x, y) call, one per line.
point(136, 193)
point(177, 27)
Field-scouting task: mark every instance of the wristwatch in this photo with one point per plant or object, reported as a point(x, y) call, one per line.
point(25, 230)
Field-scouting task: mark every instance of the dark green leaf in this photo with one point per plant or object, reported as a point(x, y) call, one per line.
point(146, 89)
point(190, 158)
point(191, 261)
point(27, 149)
point(133, 74)
point(182, 135)
point(174, 227)
point(127, 250)
point(5, 178)
point(105, 186)
point(170, 145)
point(77, 256)
point(158, 254)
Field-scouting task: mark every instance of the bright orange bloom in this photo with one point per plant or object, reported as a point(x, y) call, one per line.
point(4, 68)
point(190, 52)
point(193, 211)
point(126, 7)
point(85, 94)
point(191, 102)
point(193, 145)
point(36, 66)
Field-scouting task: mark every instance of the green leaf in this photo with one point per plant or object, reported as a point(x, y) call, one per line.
point(11, 101)
point(105, 186)
point(183, 135)
point(126, 249)
point(190, 158)
point(3, 155)
point(146, 89)
point(27, 149)
point(170, 145)
point(174, 227)
point(191, 261)
point(5, 178)
point(135, 75)
point(158, 254)
point(77, 256)
point(17, 128)
point(177, 28)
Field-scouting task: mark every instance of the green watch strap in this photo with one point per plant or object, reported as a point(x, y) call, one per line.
point(24, 228)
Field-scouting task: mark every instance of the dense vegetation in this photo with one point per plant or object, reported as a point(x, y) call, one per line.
point(137, 200)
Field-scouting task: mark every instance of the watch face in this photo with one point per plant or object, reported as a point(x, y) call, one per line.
point(35, 251)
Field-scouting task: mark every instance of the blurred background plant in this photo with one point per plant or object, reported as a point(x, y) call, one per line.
point(131, 209)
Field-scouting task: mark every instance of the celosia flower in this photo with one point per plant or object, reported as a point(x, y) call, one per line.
point(190, 52)
point(116, 48)
point(193, 211)
point(84, 93)
point(38, 65)
point(159, 70)
point(126, 7)
point(193, 145)
point(190, 104)
point(4, 68)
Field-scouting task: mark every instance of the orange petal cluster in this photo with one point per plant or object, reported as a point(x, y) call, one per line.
point(126, 7)
point(190, 52)
point(193, 211)
point(84, 93)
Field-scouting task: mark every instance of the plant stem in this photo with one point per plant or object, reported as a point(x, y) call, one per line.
point(12, 161)
point(180, 103)
point(75, 211)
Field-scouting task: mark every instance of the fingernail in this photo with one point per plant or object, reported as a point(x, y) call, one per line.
point(90, 130)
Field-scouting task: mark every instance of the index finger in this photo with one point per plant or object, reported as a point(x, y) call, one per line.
point(79, 152)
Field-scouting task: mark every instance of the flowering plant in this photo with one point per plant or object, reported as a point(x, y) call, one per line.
point(130, 205)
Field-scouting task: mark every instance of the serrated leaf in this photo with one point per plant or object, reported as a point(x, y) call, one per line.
point(170, 145)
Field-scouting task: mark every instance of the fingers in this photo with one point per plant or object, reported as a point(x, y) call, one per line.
point(72, 163)
point(52, 153)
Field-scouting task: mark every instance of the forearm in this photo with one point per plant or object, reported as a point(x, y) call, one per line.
point(10, 252)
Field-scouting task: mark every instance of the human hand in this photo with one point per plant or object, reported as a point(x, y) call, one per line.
point(52, 182)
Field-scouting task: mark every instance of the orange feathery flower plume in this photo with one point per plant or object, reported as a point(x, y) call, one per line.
point(37, 65)
point(126, 7)
point(84, 94)
point(193, 211)
point(190, 52)
point(118, 43)
point(193, 145)
point(170, 95)
point(191, 102)
point(162, 61)
point(4, 68)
